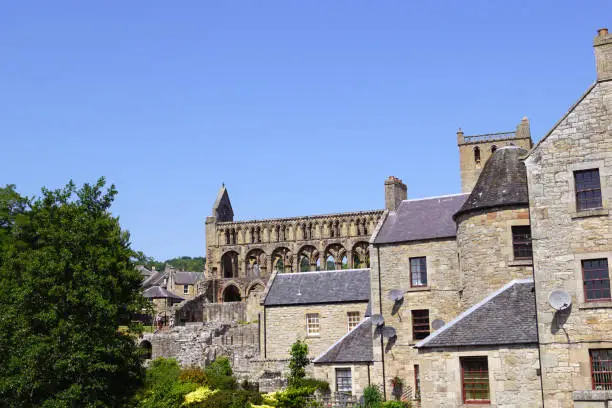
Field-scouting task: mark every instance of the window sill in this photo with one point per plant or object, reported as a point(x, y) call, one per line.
point(603, 304)
point(592, 395)
point(313, 336)
point(520, 262)
point(418, 289)
point(599, 212)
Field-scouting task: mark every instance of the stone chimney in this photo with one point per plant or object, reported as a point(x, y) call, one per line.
point(603, 54)
point(395, 192)
point(523, 130)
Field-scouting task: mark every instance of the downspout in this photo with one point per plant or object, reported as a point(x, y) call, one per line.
point(382, 345)
point(265, 338)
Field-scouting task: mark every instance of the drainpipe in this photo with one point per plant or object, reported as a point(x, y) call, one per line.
point(382, 345)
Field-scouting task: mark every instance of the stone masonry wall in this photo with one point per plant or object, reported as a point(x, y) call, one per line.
point(563, 237)
point(513, 379)
point(359, 374)
point(440, 297)
point(484, 241)
point(286, 324)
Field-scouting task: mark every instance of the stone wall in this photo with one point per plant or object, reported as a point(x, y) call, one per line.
point(286, 324)
point(484, 242)
point(360, 374)
point(440, 297)
point(563, 237)
point(224, 312)
point(513, 379)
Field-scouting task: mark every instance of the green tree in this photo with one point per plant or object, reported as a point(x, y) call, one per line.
point(66, 285)
point(297, 364)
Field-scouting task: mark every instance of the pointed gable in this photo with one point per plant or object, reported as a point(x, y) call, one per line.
point(222, 209)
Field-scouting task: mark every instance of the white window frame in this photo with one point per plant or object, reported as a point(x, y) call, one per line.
point(313, 325)
point(352, 320)
point(350, 370)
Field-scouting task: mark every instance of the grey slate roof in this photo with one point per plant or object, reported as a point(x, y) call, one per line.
point(502, 182)
point(354, 347)
point(187, 278)
point(156, 278)
point(157, 292)
point(426, 218)
point(350, 285)
point(507, 316)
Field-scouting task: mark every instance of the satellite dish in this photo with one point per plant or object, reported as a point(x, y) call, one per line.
point(560, 299)
point(395, 295)
point(437, 324)
point(388, 332)
point(378, 319)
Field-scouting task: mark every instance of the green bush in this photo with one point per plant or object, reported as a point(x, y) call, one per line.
point(294, 397)
point(317, 385)
point(219, 374)
point(297, 364)
point(162, 371)
point(193, 375)
point(372, 397)
point(396, 404)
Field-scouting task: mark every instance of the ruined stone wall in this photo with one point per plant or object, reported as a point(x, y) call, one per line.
point(440, 297)
point(286, 324)
point(563, 237)
point(484, 242)
point(513, 379)
point(360, 375)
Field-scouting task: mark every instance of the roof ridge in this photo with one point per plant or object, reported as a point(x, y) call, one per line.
point(435, 197)
point(471, 310)
point(341, 339)
point(331, 271)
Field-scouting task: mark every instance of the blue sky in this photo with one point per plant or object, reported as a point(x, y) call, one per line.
point(300, 107)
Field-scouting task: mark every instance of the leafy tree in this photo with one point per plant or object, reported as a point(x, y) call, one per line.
point(297, 364)
point(66, 285)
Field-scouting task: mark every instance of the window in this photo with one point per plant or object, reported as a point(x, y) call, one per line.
point(420, 324)
point(344, 383)
point(477, 154)
point(588, 189)
point(596, 279)
point(353, 320)
point(312, 324)
point(417, 382)
point(493, 149)
point(521, 241)
point(185, 289)
point(601, 369)
point(475, 380)
point(418, 272)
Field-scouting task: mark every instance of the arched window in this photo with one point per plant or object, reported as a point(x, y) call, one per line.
point(493, 149)
point(318, 264)
point(280, 265)
point(330, 264)
point(231, 294)
point(146, 350)
point(229, 263)
point(345, 264)
point(477, 154)
point(304, 264)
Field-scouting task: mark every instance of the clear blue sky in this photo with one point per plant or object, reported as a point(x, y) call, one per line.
point(300, 107)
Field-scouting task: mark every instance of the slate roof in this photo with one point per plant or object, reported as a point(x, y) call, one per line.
point(350, 285)
point(155, 279)
point(507, 316)
point(353, 347)
point(186, 278)
point(502, 182)
point(157, 292)
point(426, 218)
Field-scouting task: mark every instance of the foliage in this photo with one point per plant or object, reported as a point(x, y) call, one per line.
point(66, 284)
point(162, 385)
point(297, 364)
point(294, 397)
point(317, 385)
point(193, 375)
point(396, 404)
point(397, 382)
point(219, 374)
point(199, 395)
point(372, 398)
point(182, 263)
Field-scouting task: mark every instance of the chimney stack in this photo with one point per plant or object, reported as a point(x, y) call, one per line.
point(395, 192)
point(603, 54)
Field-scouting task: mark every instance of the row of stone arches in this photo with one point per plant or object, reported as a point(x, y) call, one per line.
point(231, 291)
point(308, 258)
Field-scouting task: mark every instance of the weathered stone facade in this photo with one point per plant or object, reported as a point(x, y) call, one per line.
point(484, 243)
point(563, 237)
point(360, 375)
point(283, 325)
point(513, 378)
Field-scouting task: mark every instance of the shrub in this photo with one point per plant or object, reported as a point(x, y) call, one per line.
point(162, 371)
point(294, 397)
point(297, 364)
point(219, 374)
point(372, 397)
point(396, 404)
point(317, 385)
point(193, 375)
point(199, 395)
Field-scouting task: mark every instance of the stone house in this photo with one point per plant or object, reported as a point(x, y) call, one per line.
point(570, 194)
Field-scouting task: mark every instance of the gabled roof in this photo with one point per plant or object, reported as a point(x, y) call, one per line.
point(340, 286)
point(353, 347)
point(187, 278)
point(157, 292)
point(425, 218)
point(502, 182)
point(156, 278)
point(508, 316)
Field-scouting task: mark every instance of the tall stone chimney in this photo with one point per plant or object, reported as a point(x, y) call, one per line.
point(603, 54)
point(395, 192)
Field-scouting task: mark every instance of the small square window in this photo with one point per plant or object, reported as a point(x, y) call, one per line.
point(601, 369)
point(312, 324)
point(475, 380)
point(588, 189)
point(521, 242)
point(353, 320)
point(420, 324)
point(418, 271)
point(596, 279)
point(344, 381)
point(185, 289)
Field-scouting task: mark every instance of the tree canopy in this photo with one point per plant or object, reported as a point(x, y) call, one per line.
point(182, 263)
point(66, 284)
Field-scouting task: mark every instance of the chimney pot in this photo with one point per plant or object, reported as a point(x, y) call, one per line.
point(603, 54)
point(602, 32)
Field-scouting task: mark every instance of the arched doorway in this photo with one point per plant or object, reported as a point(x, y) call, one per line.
point(256, 263)
point(282, 260)
point(308, 257)
point(361, 255)
point(231, 294)
point(146, 350)
point(229, 263)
